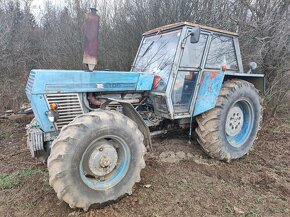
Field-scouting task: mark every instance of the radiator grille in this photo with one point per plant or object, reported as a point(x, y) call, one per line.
point(69, 106)
point(30, 81)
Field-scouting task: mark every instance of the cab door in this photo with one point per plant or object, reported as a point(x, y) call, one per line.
point(190, 66)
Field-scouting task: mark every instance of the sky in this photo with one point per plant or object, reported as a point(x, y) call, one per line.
point(38, 5)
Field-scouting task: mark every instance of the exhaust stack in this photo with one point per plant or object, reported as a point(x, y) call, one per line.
point(92, 23)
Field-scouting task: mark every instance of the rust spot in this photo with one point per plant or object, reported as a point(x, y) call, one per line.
point(213, 74)
point(91, 39)
point(202, 79)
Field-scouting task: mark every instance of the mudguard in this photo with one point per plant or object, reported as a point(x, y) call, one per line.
point(131, 113)
point(211, 83)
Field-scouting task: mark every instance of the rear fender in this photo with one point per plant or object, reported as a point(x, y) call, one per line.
point(211, 83)
point(258, 80)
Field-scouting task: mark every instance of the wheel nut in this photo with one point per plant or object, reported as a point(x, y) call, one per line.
point(105, 162)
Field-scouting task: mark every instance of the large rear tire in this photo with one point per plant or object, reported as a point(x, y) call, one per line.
point(228, 131)
point(96, 159)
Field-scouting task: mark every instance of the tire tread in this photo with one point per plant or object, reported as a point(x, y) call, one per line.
point(64, 146)
point(207, 137)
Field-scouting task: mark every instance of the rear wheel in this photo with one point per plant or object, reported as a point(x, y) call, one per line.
point(228, 131)
point(96, 159)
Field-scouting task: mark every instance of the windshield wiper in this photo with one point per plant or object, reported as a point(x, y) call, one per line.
point(148, 48)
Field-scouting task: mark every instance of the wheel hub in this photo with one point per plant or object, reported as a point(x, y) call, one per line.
point(234, 121)
point(103, 160)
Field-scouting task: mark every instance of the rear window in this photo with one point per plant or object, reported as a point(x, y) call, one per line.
point(222, 52)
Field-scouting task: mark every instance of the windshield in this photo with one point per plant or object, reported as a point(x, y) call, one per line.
point(156, 55)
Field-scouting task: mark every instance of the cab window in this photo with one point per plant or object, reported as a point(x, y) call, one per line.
point(222, 52)
point(157, 55)
point(193, 53)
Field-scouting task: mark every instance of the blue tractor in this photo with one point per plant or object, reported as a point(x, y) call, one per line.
point(94, 127)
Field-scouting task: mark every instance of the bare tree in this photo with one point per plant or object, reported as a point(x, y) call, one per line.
point(56, 40)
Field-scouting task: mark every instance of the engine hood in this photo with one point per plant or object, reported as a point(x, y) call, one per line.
point(67, 81)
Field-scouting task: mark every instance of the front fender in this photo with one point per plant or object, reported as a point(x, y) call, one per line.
point(131, 113)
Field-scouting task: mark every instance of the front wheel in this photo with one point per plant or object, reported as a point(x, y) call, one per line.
point(228, 131)
point(96, 159)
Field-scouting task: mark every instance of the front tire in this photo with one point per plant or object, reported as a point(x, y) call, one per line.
point(228, 131)
point(96, 159)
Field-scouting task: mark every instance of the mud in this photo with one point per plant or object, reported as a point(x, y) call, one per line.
point(179, 179)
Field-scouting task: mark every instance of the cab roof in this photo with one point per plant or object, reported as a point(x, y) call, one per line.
point(180, 24)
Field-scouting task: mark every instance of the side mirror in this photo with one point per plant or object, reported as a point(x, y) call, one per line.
point(194, 35)
point(253, 65)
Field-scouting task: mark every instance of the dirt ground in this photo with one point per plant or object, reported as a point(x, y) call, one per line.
point(179, 179)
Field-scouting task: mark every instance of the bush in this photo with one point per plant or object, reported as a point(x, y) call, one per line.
point(56, 41)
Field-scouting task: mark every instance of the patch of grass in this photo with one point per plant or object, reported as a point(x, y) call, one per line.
point(260, 199)
point(224, 184)
point(239, 201)
point(31, 205)
point(46, 186)
point(274, 130)
point(227, 206)
point(3, 135)
point(279, 166)
point(16, 179)
point(7, 182)
point(254, 212)
point(280, 210)
point(285, 210)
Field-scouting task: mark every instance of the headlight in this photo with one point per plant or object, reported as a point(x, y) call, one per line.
point(52, 115)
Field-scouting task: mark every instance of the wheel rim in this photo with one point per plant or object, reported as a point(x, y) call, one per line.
point(105, 162)
point(239, 122)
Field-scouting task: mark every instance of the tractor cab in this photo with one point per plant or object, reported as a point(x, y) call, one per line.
point(182, 56)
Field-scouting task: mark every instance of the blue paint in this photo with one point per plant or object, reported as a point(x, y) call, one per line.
point(124, 158)
point(210, 88)
point(40, 107)
point(145, 81)
point(248, 122)
point(244, 74)
point(208, 92)
point(75, 81)
point(42, 82)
